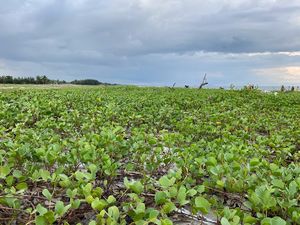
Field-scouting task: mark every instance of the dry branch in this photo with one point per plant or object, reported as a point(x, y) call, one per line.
point(204, 82)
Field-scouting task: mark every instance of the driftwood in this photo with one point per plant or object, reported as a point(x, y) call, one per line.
point(172, 88)
point(204, 82)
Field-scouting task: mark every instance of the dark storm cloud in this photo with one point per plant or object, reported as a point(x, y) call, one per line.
point(147, 41)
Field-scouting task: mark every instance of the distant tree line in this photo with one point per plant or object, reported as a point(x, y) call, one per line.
point(45, 80)
point(89, 82)
point(29, 80)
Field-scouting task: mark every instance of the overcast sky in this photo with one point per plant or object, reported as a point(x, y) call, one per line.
point(153, 42)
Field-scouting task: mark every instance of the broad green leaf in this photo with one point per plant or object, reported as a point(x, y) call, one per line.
point(278, 183)
point(181, 196)
point(293, 188)
point(273, 221)
point(47, 194)
point(224, 221)
point(92, 222)
point(17, 173)
point(93, 168)
point(59, 208)
point(44, 174)
point(87, 189)
point(89, 199)
point(160, 197)
point(169, 207)
point(75, 203)
point(166, 222)
point(98, 204)
point(22, 186)
point(40, 220)
point(254, 162)
point(137, 187)
point(191, 192)
point(140, 208)
point(220, 183)
point(41, 210)
point(113, 212)
point(165, 182)
point(211, 161)
point(111, 199)
point(153, 214)
point(50, 217)
point(202, 204)
point(172, 191)
point(4, 171)
point(249, 219)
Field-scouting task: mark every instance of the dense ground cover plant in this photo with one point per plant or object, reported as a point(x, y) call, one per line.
point(127, 155)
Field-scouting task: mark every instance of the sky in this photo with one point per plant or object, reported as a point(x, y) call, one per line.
point(153, 42)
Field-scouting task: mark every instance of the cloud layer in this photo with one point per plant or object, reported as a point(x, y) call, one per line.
point(151, 41)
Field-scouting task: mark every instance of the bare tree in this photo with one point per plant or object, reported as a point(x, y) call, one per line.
point(204, 82)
